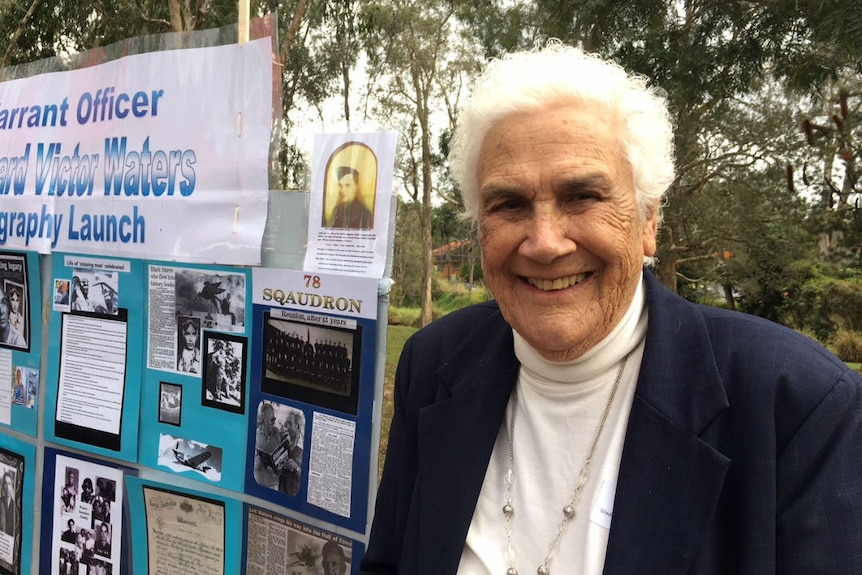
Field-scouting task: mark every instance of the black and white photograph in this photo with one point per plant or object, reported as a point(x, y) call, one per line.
point(14, 302)
point(312, 363)
point(95, 291)
point(224, 372)
point(102, 545)
point(11, 488)
point(69, 490)
point(279, 441)
point(170, 403)
point(100, 567)
point(217, 300)
point(189, 345)
point(181, 454)
point(104, 499)
point(317, 555)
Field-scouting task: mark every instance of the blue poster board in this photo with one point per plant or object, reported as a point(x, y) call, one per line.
point(21, 338)
point(195, 394)
point(312, 370)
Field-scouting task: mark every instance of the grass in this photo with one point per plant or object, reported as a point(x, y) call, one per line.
point(396, 336)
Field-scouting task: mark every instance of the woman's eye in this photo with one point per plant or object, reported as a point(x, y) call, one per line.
point(509, 205)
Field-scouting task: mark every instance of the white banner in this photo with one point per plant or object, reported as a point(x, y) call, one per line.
point(161, 155)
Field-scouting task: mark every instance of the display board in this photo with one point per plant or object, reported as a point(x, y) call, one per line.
point(21, 379)
point(313, 367)
point(196, 373)
point(170, 405)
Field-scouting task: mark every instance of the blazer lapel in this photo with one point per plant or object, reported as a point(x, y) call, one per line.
point(456, 437)
point(670, 480)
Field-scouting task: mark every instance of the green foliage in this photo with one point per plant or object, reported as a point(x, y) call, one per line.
point(448, 297)
point(404, 316)
point(825, 303)
point(848, 345)
point(451, 296)
point(407, 257)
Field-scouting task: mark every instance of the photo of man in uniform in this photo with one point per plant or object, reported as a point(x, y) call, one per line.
point(350, 210)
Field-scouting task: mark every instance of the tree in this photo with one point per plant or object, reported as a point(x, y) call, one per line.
point(411, 45)
point(407, 257)
point(834, 136)
point(707, 55)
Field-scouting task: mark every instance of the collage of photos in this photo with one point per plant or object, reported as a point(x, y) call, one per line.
point(88, 519)
point(184, 303)
point(14, 302)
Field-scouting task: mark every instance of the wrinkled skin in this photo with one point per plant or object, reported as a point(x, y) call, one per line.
point(562, 237)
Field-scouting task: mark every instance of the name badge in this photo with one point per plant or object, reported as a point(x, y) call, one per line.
point(603, 508)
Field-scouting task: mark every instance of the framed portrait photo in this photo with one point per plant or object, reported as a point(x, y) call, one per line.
point(224, 371)
point(11, 491)
point(14, 302)
point(170, 403)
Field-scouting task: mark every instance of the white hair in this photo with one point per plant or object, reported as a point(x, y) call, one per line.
point(532, 80)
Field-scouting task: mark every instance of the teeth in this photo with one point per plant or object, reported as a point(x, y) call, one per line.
point(557, 284)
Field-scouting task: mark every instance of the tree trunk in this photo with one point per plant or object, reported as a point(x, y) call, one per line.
point(176, 10)
point(19, 31)
point(728, 296)
point(427, 212)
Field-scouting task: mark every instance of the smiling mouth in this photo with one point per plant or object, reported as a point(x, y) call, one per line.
point(557, 284)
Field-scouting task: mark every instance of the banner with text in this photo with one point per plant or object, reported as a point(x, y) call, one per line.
point(118, 158)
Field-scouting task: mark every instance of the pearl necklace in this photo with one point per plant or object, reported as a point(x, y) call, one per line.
point(569, 508)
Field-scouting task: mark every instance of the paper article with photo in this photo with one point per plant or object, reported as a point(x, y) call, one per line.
point(91, 395)
point(278, 544)
point(351, 188)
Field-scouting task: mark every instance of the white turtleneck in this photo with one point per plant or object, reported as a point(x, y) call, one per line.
point(559, 408)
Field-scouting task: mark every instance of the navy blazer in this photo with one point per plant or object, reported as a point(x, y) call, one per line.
point(743, 453)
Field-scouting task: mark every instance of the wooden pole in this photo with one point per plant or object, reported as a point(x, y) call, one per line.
point(244, 17)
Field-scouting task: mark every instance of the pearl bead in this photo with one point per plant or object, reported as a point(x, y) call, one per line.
point(511, 571)
point(542, 570)
point(508, 510)
point(568, 511)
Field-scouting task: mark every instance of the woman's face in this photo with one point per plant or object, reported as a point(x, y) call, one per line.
point(190, 336)
point(15, 302)
point(563, 242)
point(7, 485)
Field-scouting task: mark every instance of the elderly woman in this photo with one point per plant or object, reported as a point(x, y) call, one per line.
point(589, 421)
